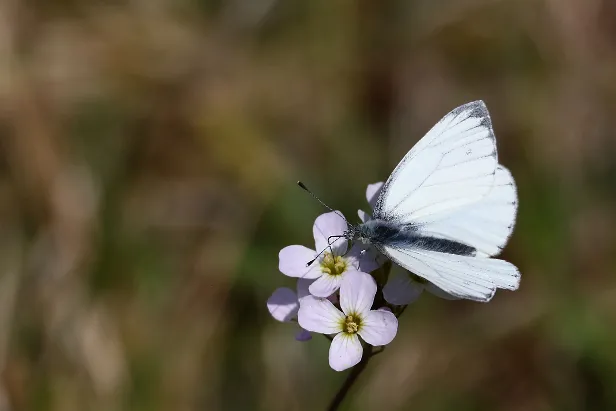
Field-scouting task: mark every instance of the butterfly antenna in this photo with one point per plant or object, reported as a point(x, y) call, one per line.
point(309, 263)
point(329, 242)
point(302, 185)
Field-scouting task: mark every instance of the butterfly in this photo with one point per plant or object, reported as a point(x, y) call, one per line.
point(448, 208)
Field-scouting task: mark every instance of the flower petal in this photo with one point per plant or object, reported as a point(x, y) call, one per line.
point(292, 262)
point(401, 289)
point(303, 335)
point(363, 216)
point(345, 351)
point(319, 315)
point(326, 285)
point(326, 225)
point(283, 304)
point(379, 327)
point(334, 298)
point(434, 290)
point(302, 287)
point(372, 193)
point(363, 258)
point(357, 293)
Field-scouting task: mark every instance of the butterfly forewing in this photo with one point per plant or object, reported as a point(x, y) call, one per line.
point(451, 166)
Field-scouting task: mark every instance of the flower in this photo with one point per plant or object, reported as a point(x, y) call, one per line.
point(283, 305)
point(372, 194)
point(332, 265)
point(376, 327)
point(404, 288)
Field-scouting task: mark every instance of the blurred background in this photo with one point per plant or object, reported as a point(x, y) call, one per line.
point(149, 151)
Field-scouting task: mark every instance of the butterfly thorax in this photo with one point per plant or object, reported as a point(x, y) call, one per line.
point(384, 233)
point(379, 232)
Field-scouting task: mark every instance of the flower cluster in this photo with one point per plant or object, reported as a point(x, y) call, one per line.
point(344, 293)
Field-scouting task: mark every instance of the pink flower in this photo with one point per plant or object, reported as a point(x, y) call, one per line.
point(404, 288)
point(332, 265)
point(372, 194)
point(376, 327)
point(283, 305)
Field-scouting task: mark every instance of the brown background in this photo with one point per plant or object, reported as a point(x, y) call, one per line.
point(148, 155)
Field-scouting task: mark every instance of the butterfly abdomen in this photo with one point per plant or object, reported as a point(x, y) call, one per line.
point(385, 233)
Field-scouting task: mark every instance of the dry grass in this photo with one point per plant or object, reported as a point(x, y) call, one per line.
point(148, 151)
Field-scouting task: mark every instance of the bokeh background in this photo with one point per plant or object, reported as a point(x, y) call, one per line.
point(149, 151)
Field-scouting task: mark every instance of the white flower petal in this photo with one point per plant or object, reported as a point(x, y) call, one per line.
point(401, 289)
point(293, 259)
point(326, 285)
point(372, 193)
point(363, 258)
point(357, 292)
point(303, 335)
point(327, 225)
point(345, 351)
point(434, 290)
point(351, 258)
point(319, 315)
point(283, 304)
point(303, 285)
point(363, 216)
point(379, 327)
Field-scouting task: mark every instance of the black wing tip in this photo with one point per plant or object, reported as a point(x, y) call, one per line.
point(476, 107)
point(479, 104)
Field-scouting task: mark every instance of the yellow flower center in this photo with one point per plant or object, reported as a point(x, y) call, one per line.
point(333, 265)
point(351, 324)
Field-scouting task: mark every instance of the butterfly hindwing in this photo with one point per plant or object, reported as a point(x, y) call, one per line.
point(473, 278)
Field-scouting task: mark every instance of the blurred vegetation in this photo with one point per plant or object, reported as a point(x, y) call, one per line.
point(148, 155)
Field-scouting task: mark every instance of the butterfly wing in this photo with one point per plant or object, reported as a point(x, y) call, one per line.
point(453, 165)
point(449, 185)
point(485, 225)
point(473, 278)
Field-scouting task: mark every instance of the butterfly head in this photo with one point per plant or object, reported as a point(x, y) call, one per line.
point(351, 232)
point(357, 233)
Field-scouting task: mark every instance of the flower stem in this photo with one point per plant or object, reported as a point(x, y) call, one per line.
point(350, 380)
point(401, 311)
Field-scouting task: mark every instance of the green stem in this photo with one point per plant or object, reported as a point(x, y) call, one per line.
point(350, 380)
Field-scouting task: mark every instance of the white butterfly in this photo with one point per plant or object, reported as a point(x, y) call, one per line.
point(448, 207)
